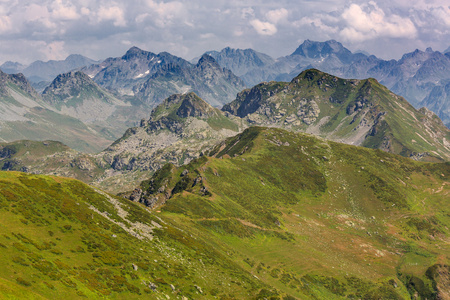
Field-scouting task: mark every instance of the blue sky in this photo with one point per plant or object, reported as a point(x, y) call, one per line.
point(44, 29)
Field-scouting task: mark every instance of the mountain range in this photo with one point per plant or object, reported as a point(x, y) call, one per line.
point(318, 187)
point(356, 112)
point(40, 73)
point(89, 115)
point(422, 77)
point(151, 77)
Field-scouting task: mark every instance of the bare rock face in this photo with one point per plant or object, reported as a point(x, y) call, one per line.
point(136, 195)
point(84, 163)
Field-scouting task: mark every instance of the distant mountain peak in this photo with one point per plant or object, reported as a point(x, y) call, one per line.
point(77, 77)
point(314, 49)
point(207, 59)
point(74, 84)
point(134, 52)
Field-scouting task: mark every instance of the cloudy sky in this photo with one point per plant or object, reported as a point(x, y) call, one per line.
point(45, 29)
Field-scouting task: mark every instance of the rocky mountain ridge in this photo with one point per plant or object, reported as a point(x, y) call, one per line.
point(357, 112)
point(420, 76)
point(153, 77)
point(40, 71)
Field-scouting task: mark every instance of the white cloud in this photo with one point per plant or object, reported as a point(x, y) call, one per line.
point(442, 14)
point(207, 35)
point(365, 22)
point(54, 50)
point(317, 22)
point(166, 13)
point(247, 12)
point(5, 23)
point(277, 15)
point(64, 11)
point(263, 28)
point(85, 11)
point(112, 13)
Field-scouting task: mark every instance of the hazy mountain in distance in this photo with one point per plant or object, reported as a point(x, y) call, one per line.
point(151, 77)
point(25, 115)
point(414, 76)
point(241, 61)
point(41, 73)
point(77, 95)
point(11, 67)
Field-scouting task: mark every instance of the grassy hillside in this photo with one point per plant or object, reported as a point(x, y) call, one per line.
point(61, 238)
point(269, 214)
point(317, 219)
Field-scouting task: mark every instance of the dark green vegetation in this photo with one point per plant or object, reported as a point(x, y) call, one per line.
point(358, 112)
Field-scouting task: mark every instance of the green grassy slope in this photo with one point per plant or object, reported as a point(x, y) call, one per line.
point(270, 214)
point(48, 157)
point(62, 239)
point(317, 219)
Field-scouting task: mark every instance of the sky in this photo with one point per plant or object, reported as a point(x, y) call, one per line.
point(43, 29)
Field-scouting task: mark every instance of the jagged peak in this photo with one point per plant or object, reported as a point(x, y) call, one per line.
point(62, 78)
point(194, 106)
point(20, 80)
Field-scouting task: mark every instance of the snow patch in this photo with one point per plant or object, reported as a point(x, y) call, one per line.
point(142, 75)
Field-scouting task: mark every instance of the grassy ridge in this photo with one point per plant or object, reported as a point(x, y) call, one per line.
point(318, 219)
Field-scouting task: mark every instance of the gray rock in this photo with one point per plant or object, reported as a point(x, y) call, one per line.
point(136, 195)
